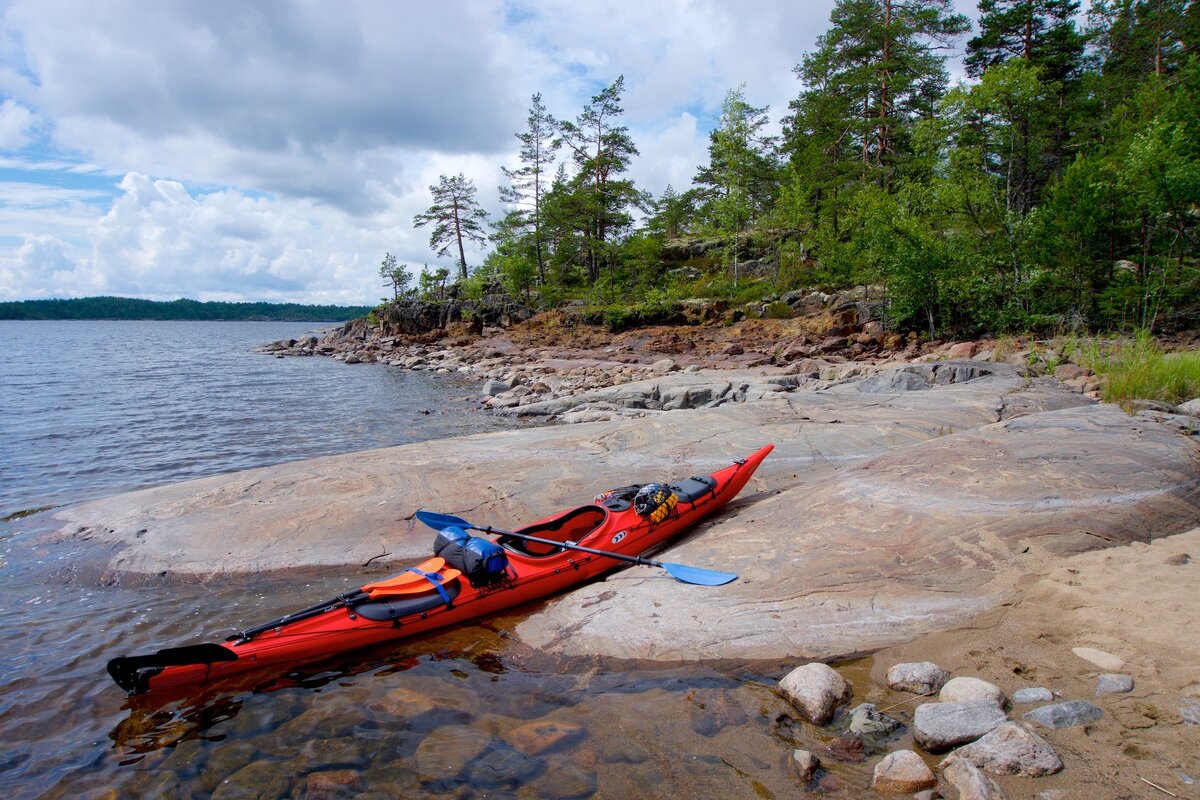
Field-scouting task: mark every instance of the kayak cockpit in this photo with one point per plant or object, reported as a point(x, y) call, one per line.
point(572, 526)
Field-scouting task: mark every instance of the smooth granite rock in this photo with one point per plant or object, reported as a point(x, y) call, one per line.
point(805, 764)
point(1012, 749)
point(1111, 683)
point(902, 772)
point(1032, 694)
point(817, 690)
point(846, 541)
point(940, 726)
point(958, 690)
point(970, 782)
point(922, 677)
point(1067, 714)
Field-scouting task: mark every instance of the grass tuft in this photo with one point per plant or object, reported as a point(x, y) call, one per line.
point(1137, 369)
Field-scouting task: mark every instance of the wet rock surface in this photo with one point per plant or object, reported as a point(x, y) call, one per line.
point(1067, 714)
point(817, 690)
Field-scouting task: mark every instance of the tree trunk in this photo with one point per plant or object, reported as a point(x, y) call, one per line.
point(462, 256)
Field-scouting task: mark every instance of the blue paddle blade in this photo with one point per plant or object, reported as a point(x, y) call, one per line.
point(700, 577)
point(439, 522)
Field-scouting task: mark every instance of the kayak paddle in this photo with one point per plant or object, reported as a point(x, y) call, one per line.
point(680, 572)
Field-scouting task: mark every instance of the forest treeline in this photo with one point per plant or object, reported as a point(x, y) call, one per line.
point(1059, 186)
point(129, 308)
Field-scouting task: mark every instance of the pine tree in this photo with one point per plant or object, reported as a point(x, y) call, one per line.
point(529, 183)
point(1040, 32)
point(601, 150)
point(455, 215)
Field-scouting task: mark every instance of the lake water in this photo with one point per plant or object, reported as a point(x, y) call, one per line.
point(94, 408)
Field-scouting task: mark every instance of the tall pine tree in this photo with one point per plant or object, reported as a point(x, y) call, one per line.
point(602, 150)
point(455, 215)
point(529, 183)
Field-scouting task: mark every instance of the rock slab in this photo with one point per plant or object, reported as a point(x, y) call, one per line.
point(817, 690)
point(923, 677)
point(1012, 749)
point(1067, 714)
point(902, 772)
point(940, 726)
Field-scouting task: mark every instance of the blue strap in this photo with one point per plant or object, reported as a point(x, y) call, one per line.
point(436, 579)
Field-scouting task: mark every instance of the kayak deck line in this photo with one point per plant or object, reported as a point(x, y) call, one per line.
point(542, 559)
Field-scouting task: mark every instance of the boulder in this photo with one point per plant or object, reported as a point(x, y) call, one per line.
point(1189, 711)
point(1011, 749)
point(922, 677)
point(1067, 714)
point(1113, 683)
point(958, 690)
point(817, 690)
point(902, 772)
point(443, 755)
point(494, 387)
point(941, 726)
point(969, 781)
point(1190, 407)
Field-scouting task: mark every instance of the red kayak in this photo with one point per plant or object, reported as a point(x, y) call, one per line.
point(470, 577)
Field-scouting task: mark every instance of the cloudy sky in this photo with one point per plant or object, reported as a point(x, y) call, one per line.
point(267, 150)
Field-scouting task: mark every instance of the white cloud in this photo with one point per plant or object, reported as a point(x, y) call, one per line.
point(276, 150)
point(16, 121)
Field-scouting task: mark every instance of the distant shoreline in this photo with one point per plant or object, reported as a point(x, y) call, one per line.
point(183, 310)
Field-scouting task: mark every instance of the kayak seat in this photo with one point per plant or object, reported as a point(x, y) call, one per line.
point(569, 527)
point(694, 488)
point(402, 606)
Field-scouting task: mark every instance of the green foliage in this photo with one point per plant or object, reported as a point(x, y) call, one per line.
point(134, 308)
point(455, 216)
point(1137, 369)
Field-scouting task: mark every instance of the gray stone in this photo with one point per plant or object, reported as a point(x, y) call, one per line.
point(867, 720)
point(958, 690)
point(494, 387)
point(941, 726)
point(1067, 714)
point(1052, 794)
point(1012, 749)
point(1112, 683)
point(1190, 407)
point(902, 772)
point(928, 794)
point(1032, 694)
point(663, 366)
point(969, 781)
point(1189, 709)
point(817, 690)
point(923, 677)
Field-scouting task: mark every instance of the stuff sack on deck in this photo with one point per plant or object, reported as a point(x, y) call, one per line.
point(481, 560)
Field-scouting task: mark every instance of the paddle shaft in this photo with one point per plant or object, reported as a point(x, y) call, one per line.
point(645, 562)
point(348, 601)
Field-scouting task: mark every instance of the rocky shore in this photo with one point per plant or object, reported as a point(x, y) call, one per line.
point(967, 504)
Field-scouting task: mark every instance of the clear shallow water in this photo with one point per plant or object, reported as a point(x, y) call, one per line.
point(89, 409)
point(93, 408)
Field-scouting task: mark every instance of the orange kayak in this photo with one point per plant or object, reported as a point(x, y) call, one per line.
point(435, 594)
